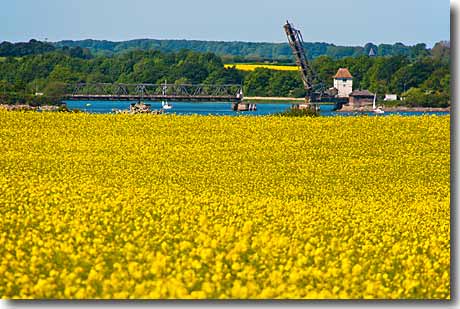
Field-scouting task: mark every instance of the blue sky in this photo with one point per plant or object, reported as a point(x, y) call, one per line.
point(342, 22)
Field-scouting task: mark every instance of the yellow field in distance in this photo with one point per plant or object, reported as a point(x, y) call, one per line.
point(252, 67)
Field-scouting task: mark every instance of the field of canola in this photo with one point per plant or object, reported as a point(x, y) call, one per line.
point(144, 206)
point(252, 67)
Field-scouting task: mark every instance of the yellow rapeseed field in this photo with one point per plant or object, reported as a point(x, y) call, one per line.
point(145, 206)
point(252, 67)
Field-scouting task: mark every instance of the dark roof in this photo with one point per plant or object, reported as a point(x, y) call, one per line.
point(362, 93)
point(343, 73)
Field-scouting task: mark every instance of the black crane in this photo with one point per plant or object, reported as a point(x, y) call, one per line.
point(306, 72)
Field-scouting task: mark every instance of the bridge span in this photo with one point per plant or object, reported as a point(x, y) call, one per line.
point(155, 92)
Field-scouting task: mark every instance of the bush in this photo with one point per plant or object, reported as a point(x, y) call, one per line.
point(296, 112)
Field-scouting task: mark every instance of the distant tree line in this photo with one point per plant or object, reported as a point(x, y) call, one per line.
point(34, 47)
point(20, 49)
point(423, 80)
point(248, 51)
point(229, 51)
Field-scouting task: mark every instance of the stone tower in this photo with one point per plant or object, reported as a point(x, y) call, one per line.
point(343, 82)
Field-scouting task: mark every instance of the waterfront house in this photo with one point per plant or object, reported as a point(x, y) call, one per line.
point(360, 98)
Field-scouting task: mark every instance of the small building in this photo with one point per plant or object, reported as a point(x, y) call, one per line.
point(343, 82)
point(360, 98)
point(390, 97)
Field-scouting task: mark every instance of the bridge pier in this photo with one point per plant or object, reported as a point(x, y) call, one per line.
point(242, 106)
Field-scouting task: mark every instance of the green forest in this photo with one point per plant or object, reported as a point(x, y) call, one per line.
point(248, 51)
point(38, 67)
point(229, 51)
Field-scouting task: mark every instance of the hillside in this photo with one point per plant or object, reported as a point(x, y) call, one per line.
point(248, 50)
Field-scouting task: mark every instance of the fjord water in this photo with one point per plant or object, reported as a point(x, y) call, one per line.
point(180, 108)
point(213, 108)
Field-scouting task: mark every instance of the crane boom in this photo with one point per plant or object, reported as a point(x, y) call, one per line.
point(306, 73)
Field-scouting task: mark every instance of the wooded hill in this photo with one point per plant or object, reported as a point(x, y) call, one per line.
point(249, 51)
point(229, 51)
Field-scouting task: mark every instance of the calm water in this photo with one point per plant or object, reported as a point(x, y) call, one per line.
point(214, 108)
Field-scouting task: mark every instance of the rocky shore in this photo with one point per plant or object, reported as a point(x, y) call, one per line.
point(26, 107)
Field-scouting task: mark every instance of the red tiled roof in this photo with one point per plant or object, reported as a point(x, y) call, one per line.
point(343, 73)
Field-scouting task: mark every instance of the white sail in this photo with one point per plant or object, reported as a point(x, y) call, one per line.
point(376, 109)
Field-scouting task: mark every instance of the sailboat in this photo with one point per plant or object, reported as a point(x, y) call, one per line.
point(375, 109)
point(165, 105)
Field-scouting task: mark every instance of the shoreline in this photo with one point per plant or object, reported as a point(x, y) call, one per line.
point(27, 107)
point(347, 109)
